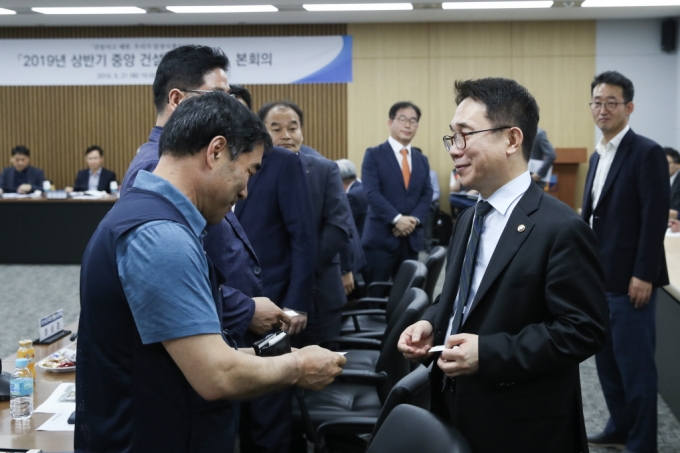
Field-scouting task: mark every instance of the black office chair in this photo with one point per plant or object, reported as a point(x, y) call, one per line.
point(411, 429)
point(360, 392)
point(434, 264)
point(371, 314)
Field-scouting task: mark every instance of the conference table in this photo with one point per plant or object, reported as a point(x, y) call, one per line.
point(44, 231)
point(24, 434)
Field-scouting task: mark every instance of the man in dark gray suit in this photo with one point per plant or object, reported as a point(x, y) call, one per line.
point(542, 158)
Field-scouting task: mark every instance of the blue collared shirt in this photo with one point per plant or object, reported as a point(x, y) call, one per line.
point(93, 182)
point(164, 271)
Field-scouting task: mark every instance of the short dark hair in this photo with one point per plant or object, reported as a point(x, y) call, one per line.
point(94, 148)
point(403, 105)
point(239, 91)
point(184, 68)
point(673, 154)
point(615, 78)
point(264, 110)
point(507, 104)
point(199, 119)
point(21, 149)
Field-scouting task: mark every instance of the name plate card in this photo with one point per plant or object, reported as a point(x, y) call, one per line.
point(51, 325)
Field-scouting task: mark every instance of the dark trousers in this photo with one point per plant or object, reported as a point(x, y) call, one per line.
point(381, 265)
point(627, 373)
point(266, 423)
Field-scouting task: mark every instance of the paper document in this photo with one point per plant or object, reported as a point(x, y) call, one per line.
point(291, 313)
point(670, 234)
point(58, 422)
point(61, 401)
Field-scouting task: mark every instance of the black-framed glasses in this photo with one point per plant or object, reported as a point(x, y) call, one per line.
point(410, 121)
point(459, 140)
point(206, 91)
point(609, 105)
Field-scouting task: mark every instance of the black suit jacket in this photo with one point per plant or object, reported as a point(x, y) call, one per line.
point(631, 217)
point(277, 217)
point(35, 177)
point(539, 311)
point(83, 180)
point(332, 219)
point(675, 194)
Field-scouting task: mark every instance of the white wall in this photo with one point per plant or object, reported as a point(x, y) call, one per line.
point(633, 48)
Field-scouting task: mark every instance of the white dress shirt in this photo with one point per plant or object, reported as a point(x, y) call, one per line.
point(607, 153)
point(673, 178)
point(503, 202)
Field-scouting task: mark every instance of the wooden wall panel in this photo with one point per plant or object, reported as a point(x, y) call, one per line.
point(58, 123)
point(554, 60)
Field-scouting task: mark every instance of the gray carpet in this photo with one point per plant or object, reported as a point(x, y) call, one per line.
point(29, 292)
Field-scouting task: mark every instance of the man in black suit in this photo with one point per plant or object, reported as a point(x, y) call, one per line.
point(96, 177)
point(626, 201)
point(673, 158)
point(21, 177)
point(523, 301)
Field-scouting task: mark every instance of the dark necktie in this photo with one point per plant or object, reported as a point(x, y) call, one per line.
point(481, 209)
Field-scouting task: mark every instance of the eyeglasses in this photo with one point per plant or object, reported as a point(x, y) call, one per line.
point(610, 105)
point(459, 137)
point(403, 120)
point(206, 91)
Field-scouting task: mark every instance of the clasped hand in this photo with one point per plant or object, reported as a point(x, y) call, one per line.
point(404, 226)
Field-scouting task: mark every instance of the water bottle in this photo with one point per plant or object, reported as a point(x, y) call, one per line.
point(21, 391)
point(113, 187)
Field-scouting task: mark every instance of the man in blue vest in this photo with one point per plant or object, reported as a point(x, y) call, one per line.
point(151, 340)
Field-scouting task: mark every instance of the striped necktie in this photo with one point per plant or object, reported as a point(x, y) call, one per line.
point(481, 210)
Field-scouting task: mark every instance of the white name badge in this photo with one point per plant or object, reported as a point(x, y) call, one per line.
point(51, 324)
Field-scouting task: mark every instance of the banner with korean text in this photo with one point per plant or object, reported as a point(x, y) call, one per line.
point(133, 61)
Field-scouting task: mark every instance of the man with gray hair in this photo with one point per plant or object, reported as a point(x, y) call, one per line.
point(355, 192)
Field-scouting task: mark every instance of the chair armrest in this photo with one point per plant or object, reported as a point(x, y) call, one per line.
point(370, 302)
point(344, 425)
point(352, 341)
point(374, 334)
point(362, 376)
point(378, 286)
point(366, 312)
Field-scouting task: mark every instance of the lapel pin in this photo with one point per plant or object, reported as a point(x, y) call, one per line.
point(521, 228)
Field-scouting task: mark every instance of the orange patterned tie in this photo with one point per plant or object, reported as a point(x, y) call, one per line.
point(405, 169)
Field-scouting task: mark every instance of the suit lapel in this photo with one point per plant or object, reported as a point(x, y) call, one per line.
point(416, 170)
point(455, 264)
point(391, 160)
point(238, 229)
point(510, 241)
point(587, 194)
point(621, 154)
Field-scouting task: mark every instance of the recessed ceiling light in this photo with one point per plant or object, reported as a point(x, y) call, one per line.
point(359, 7)
point(496, 5)
point(7, 11)
point(624, 3)
point(91, 10)
point(223, 9)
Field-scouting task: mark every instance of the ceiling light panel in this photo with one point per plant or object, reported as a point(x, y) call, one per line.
point(223, 9)
point(7, 11)
point(92, 10)
point(625, 3)
point(359, 7)
point(497, 5)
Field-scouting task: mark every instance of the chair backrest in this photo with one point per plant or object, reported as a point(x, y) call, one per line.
point(410, 428)
point(391, 361)
point(411, 274)
point(413, 389)
point(434, 264)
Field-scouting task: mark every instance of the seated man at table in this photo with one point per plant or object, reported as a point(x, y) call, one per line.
point(96, 177)
point(150, 342)
point(21, 177)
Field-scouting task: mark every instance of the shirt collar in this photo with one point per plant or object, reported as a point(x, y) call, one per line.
point(502, 198)
point(153, 183)
point(396, 146)
point(613, 143)
point(92, 173)
point(155, 135)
